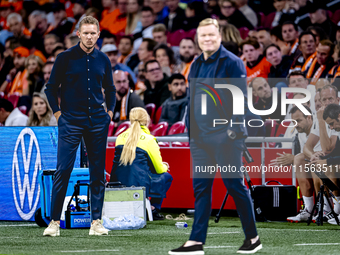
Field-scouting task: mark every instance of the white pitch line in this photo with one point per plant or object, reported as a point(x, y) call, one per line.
point(19, 225)
point(294, 229)
point(88, 250)
point(235, 232)
point(119, 235)
point(219, 247)
point(303, 244)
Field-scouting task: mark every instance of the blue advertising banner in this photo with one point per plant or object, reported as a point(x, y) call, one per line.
point(24, 151)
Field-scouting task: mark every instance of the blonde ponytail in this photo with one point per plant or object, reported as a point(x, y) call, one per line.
point(138, 117)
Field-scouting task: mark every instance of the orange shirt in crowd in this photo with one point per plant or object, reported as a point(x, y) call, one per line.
point(27, 32)
point(186, 70)
point(18, 84)
point(39, 54)
point(114, 22)
point(122, 58)
point(261, 69)
point(68, 8)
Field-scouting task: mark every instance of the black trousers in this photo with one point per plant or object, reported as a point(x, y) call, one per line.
point(222, 155)
point(70, 133)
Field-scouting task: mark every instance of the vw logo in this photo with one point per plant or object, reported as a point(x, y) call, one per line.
point(25, 172)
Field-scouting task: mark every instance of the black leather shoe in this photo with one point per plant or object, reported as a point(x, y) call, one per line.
point(156, 215)
point(192, 250)
point(248, 248)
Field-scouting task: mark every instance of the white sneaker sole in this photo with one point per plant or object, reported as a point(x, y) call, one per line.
point(94, 233)
point(252, 251)
point(55, 234)
point(189, 252)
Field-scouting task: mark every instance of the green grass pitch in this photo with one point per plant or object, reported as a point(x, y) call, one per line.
point(159, 237)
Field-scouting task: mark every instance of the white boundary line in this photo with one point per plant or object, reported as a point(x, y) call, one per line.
point(219, 247)
point(221, 233)
point(87, 251)
point(286, 229)
point(19, 225)
point(305, 244)
point(233, 232)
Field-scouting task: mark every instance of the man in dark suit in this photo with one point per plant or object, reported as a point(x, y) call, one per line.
point(217, 145)
point(82, 71)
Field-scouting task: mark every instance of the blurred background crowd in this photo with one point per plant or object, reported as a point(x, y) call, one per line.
point(151, 45)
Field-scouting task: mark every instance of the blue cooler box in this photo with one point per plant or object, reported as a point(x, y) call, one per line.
point(46, 182)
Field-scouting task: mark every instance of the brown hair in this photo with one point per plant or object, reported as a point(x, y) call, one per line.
point(328, 43)
point(233, 3)
point(89, 20)
point(252, 42)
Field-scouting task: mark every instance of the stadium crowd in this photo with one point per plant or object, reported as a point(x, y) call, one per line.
point(151, 45)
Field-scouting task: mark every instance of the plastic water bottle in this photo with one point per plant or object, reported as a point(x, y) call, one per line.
point(181, 224)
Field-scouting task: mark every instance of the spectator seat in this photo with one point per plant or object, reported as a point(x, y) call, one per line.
point(23, 109)
point(151, 108)
point(14, 98)
point(177, 128)
point(122, 127)
point(157, 116)
point(111, 128)
point(160, 129)
point(243, 32)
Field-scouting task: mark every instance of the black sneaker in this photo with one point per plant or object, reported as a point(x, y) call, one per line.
point(156, 215)
point(248, 248)
point(329, 216)
point(192, 250)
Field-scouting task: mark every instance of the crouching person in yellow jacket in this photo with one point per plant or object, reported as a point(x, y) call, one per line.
point(138, 161)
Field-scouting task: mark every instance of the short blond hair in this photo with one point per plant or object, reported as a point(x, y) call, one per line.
point(89, 20)
point(159, 28)
point(209, 21)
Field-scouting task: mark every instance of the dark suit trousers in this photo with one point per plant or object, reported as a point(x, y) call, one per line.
point(70, 133)
point(222, 155)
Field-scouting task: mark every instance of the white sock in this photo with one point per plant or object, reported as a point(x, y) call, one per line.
point(309, 203)
point(336, 205)
point(326, 206)
point(254, 240)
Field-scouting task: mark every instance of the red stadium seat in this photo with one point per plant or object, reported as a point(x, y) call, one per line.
point(281, 130)
point(111, 128)
point(330, 14)
point(191, 33)
point(23, 109)
point(122, 127)
point(118, 37)
point(163, 144)
point(151, 108)
point(270, 129)
point(336, 16)
point(261, 19)
point(176, 37)
point(160, 129)
point(180, 144)
point(243, 32)
point(157, 116)
point(177, 128)
point(14, 98)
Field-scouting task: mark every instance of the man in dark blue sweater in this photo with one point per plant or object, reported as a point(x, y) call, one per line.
point(217, 148)
point(82, 71)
